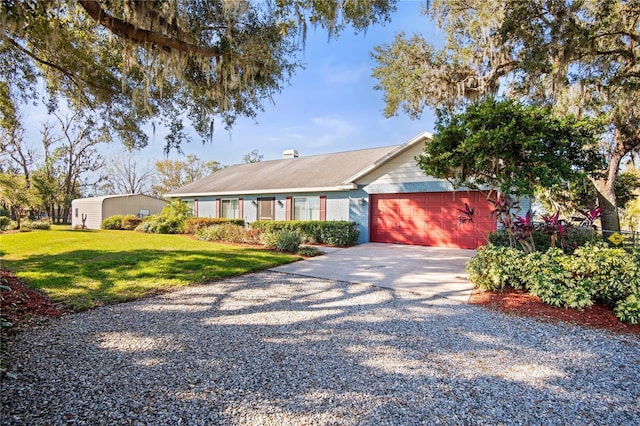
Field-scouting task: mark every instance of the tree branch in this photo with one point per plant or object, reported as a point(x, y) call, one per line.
point(64, 71)
point(129, 31)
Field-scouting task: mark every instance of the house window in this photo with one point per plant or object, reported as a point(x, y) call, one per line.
point(190, 206)
point(76, 212)
point(306, 208)
point(229, 208)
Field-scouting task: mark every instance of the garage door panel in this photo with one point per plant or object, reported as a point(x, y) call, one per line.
point(430, 219)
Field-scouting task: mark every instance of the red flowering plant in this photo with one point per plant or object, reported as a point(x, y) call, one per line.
point(465, 215)
point(523, 228)
point(555, 227)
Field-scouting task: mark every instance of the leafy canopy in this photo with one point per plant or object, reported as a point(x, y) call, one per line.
point(509, 146)
point(577, 57)
point(137, 60)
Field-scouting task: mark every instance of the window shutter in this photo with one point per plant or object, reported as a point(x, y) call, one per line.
point(195, 207)
point(323, 207)
point(240, 208)
point(287, 210)
point(217, 214)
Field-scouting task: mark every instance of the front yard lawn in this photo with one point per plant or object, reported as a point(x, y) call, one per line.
point(84, 269)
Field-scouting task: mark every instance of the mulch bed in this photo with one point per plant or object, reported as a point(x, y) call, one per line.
point(517, 302)
point(22, 303)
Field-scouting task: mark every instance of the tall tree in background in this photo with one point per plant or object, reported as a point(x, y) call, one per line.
point(77, 155)
point(173, 174)
point(580, 57)
point(125, 175)
point(46, 182)
point(132, 60)
point(253, 157)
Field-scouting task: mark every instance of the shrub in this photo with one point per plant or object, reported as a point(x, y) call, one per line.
point(549, 277)
point(310, 251)
point(112, 222)
point(227, 232)
point(4, 223)
point(169, 221)
point(570, 240)
point(612, 273)
point(628, 310)
point(193, 224)
point(28, 225)
point(338, 233)
point(495, 267)
point(288, 241)
point(130, 222)
point(593, 273)
point(269, 239)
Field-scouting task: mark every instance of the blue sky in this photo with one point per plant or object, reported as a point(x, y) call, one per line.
point(329, 106)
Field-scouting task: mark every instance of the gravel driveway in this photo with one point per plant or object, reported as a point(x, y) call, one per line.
point(279, 349)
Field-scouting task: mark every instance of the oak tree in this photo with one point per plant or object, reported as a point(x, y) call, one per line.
point(574, 56)
point(133, 60)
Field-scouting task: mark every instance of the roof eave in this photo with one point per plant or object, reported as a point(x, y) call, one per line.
point(338, 188)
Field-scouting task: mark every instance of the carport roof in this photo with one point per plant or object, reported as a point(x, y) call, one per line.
point(325, 172)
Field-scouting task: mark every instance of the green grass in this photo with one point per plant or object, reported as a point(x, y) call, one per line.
point(84, 269)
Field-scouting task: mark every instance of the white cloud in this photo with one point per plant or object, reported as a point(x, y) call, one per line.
point(329, 131)
point(345, 75)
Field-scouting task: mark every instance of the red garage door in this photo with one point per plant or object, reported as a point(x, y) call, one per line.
point(430, 219)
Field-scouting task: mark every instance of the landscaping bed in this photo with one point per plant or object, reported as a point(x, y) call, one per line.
point(518, 302)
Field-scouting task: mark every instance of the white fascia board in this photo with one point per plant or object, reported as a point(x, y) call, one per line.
point(346, 187)
point(421, 137)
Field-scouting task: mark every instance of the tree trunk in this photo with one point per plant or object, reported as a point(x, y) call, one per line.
point(605, 189)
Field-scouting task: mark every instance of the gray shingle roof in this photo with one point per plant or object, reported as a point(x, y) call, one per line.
point(302, 173)
point(335, 171)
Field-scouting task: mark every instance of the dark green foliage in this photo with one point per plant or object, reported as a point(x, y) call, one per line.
point(571, 239)
point(310, 251)
point(337, 233)
point(593, 273)
point(192, 225)
point(511, 147)
point(4, 223)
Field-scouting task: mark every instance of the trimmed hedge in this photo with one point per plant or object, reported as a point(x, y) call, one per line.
point(228, 232)
point(334, 233)
point(121, 222)
point(192, 225)
point(593, 273)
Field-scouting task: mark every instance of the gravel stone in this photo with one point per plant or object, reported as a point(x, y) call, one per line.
point(279, 349)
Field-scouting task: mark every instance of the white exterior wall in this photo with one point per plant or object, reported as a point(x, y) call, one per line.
point(98, 209)
point(400, 170)
point(91, 207)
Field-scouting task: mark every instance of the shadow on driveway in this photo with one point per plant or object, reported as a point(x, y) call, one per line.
point(431, 271)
